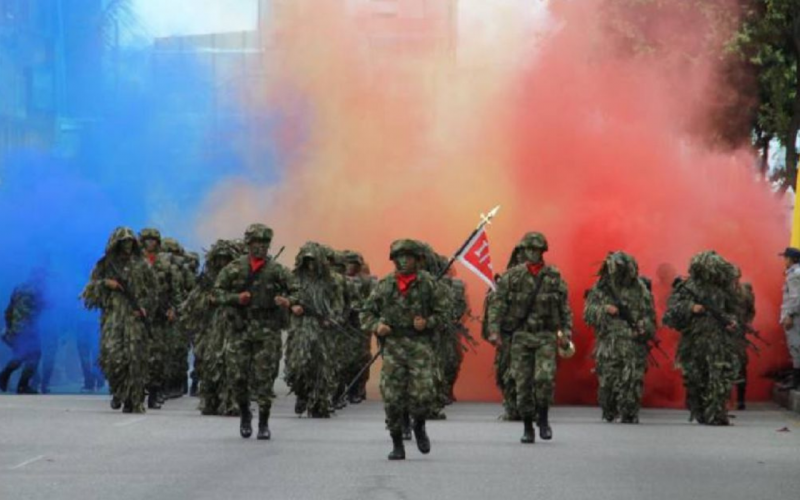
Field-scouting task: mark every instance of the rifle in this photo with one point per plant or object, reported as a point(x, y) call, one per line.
point(720, 318)
point(130, 298)
point(626, 315)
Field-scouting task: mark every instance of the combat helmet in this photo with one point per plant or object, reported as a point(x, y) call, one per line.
point(533, 239)
point(257, 232)
point(119, 235)
point(171, 245)
point(404, 246)
point(150, 233)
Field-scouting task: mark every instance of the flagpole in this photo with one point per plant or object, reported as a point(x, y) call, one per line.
point(485, 220)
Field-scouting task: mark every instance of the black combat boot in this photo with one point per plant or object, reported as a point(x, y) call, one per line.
point(24, 387)
point(127, 407)
point(116, 404)
point(245, 424)
point(399, 451)
point(423, 443)
point(6, 374)
point(545, 432)
point(263, 425)
point(406, 427)
point(528, 435)
point(300, 406)
point(741, 387)
point(152, 399)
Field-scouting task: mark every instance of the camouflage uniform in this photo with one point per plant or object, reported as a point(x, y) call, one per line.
point(125, 339)
point(452, 348)
point(407, 378)
point(344, 344)
point(21, 317)
point(177, 346)
point(197, 316)
point(531, 301)
point(360, 287)
point(621, 347)
point(504, 376)
point(746, 314)
point(707, 352)
point(310, 365)
point(253, 348)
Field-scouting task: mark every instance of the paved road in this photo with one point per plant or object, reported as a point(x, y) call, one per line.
point(74, 447)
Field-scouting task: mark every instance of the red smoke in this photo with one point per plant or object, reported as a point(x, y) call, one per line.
point(600, 146)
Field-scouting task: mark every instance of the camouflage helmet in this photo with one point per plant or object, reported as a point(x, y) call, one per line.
point(171, 245)
point(223, 248)
point(150, 233)
point(620, 265)
point(535, 240)
point(119, 235)
point(353, 257)
point(257, 232)
point(712, 267)
point(405, 246)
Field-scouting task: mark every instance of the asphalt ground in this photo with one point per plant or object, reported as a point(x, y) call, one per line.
point(76, 447)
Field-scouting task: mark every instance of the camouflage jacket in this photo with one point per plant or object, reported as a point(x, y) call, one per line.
point(134, 274)
point(425, 298)
point(635, 299)
point(22, 312)
point(270, 281)
point(171, 285)
point(685, 294)
point(197, 311)
point(523, 302)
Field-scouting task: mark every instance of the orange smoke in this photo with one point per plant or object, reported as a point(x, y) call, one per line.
point(392, 136)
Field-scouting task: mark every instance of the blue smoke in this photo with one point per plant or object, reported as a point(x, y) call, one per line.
point(150, 146)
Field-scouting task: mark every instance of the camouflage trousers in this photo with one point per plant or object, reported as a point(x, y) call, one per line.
point(310, 370)
point(214, 390)
point(352, 353)
point(620, 367)
point(252, 359)
point(124, 359)
point(157, 353)
point(504, 376)
point(709, 371)
point(533, 363)
point(449, 355)
point(176, 356)
point(407, 378)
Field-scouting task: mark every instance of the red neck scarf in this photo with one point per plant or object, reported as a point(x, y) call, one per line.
point(152, 258)
point(535, 269)
point(256, 264)
point(404, 282)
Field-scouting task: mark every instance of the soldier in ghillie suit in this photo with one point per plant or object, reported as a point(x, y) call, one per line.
point(176, 359)
point(405, 310)
point(124, 288)
point(318, 308)
point(620, 309)
point(531, 301)
point(253, 291)
point(359, 287)
point(746, 315)
point(21, 318)
point(704, 308)
point(197, 316)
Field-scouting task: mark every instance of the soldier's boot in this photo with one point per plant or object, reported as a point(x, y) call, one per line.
point(545, 432)
point(152, 399)
point(398, 451)
point(245, 423)
point(528, 435)
point(6, 374)
point(24, 387)
point(406, 433)
point(263, 425)
point(423, 442)
point(127, 407)
point(741, 387)
point(116, 404)
point(300, 406)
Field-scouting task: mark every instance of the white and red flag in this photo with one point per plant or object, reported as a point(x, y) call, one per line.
point(477, 258)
